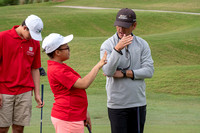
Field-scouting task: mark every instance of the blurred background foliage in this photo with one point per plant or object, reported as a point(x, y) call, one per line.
point(21, 2)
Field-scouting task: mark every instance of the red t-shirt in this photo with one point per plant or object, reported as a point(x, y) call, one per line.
point(70, 103)
point(17, 58)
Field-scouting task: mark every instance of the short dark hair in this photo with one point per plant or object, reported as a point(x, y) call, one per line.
point(23, 23)
point(51, 55)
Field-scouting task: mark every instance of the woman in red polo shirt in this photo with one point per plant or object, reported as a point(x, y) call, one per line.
point(70, 108)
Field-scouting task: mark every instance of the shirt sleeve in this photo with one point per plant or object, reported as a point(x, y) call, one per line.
point(1, 47)
point(113, 57)
point(147, 69)
point(67, 78)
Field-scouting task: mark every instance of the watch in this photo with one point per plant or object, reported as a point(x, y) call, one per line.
point(123, 72)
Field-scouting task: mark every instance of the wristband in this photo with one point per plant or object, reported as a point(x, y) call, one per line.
point(120, 52)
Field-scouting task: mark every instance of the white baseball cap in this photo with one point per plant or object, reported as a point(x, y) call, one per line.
point(55, 40)
point(35, 26)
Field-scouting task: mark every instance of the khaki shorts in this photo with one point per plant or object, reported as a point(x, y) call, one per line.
point(16, 109)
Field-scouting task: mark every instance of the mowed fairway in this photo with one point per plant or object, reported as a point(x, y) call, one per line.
point(173, 94)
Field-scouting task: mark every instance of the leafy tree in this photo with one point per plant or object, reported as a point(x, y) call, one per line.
point(10, 2)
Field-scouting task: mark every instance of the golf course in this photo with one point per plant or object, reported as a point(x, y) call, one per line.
point(173, 93)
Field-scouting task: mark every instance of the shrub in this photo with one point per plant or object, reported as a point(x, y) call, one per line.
point(10, 2)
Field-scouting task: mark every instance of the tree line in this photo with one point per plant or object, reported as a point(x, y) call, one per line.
point(21, 2)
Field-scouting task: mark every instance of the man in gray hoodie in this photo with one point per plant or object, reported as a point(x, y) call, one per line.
point(129, 62)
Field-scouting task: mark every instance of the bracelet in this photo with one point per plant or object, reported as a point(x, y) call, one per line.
point(120, 52)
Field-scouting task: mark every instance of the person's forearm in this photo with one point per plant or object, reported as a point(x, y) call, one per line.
point(147, 69)
point(113, 61)
point(36, 80)
point(144, 73)
point(89, 78)
point(85, 82)
point(1, 100)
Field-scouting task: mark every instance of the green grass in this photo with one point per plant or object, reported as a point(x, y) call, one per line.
point(173, 92)
point(172, 5)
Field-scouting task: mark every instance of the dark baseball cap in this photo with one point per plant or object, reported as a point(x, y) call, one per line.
point(125, 18)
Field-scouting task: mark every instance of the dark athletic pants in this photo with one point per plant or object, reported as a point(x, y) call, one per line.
point(126, 120)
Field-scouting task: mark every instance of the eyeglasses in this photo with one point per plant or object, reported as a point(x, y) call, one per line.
point(64, 48)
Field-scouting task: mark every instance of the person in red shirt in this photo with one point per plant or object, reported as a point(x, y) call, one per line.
point(19, 73)
point(70, 108)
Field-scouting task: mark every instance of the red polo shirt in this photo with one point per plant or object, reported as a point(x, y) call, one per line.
point(17, 58)
point(70, 103)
